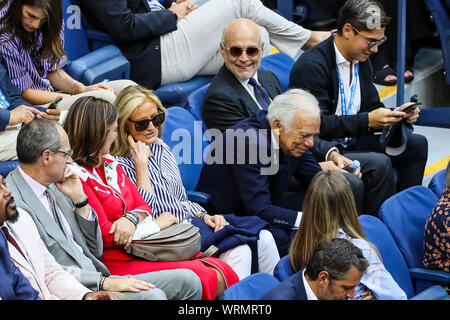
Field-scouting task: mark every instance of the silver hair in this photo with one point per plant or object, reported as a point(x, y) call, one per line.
point(36, 137)
point(286, 105)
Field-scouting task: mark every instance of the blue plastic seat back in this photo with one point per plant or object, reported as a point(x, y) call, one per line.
point(75, 40)
point(437, 183)
point(7, 166)
point(176, 94)
point(378, 234)
point(184, 136)
point(283, 269)
point(441, 19)
point(280, 64)
point(194, 102)
point(252, 287)
point(434, 117)
point(405, 214)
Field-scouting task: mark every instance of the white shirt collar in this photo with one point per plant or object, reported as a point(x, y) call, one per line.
point(340, 58)
point(245, 81)
point(309, 292)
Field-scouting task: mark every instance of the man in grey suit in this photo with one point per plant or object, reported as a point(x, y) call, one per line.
point(45, 187)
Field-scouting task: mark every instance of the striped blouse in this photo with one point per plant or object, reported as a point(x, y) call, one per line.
point(169, 193)
point(20, 65)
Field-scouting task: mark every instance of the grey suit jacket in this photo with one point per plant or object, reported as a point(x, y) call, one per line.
point(85, 266)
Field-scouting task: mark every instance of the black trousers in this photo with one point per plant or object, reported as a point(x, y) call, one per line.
point(378, 168)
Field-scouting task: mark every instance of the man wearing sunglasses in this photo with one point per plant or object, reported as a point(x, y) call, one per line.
point(338, 73)
point(241, 90)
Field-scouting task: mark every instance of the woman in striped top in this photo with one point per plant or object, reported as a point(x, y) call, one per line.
point(149, 163)
point(32, 44)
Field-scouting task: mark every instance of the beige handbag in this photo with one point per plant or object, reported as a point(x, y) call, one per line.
point(175, 243)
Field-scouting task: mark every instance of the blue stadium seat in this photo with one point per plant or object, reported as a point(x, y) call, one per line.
point(378, 234)
point(434, 117)
point(184, 136)
point(86, 66)
point(442, 21)
point(405, 214)
point(177, 93)
point(252, 287)
point(283, 269)
point(194, 104)
point(7, 166)
point(437, 183)
point(280, 64)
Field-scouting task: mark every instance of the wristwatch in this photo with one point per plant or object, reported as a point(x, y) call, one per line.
point(81, 204)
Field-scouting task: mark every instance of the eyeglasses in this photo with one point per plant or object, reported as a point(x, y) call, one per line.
point(65, 153)
point(237, 51)
point(157, 120)
point(372, 43)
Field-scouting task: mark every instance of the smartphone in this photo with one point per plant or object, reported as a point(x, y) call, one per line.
point(54, 104)
point(412, 107)
point(409, 108)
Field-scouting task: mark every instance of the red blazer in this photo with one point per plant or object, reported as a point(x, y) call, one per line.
point(111, 200)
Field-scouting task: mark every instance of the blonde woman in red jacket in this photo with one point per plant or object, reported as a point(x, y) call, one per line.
point(91, 125)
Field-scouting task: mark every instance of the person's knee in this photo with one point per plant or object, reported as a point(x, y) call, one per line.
point(417, 146)
point(153, 294)
point(190, 286)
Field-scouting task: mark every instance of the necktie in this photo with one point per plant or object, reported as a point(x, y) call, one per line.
point(261, 94)
point(11, 240)
point(53, 208)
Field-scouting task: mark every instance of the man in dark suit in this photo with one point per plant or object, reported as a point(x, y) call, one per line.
point(249, 166)
point(14, 111)
point(174, 41)
point(335, 269)
point(236, 93)
point(338, 73)
point(13, 284)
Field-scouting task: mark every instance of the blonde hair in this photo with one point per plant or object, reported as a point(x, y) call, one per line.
point(328, 206)
point(126, 103)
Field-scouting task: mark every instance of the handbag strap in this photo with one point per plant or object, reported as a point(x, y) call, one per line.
point(211, 251)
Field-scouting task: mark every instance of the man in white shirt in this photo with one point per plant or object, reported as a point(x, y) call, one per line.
point(335, 269)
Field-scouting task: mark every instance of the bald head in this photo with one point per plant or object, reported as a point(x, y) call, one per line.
point(239, 36)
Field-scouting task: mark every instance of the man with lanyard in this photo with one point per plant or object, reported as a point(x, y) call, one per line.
point(338, 73)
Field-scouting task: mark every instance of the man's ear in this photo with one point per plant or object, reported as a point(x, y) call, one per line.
point(45, 157)
point(323, 279)
point(222, 49)
point(348, 31)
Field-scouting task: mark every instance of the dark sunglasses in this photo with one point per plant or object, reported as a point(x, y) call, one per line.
point(157, 120)
point(236, 51)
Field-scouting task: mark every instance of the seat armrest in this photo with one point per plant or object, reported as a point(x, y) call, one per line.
point(99, 36)
point(430, 275)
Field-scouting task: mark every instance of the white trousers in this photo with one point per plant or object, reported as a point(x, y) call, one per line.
point(193, 49)
point(240, 258)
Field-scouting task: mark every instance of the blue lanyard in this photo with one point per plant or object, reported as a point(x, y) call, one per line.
point(344, 108)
